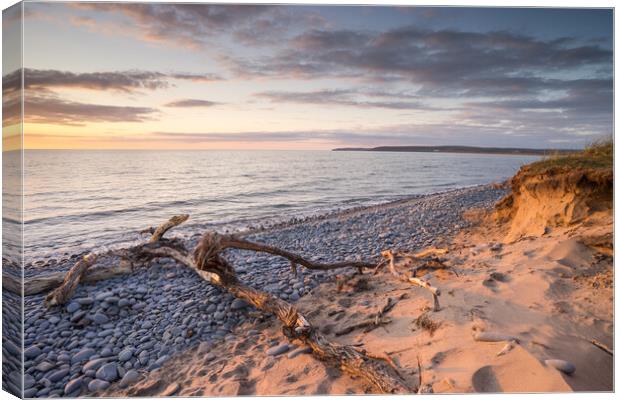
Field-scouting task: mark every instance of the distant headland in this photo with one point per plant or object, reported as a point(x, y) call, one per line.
point(461, 149)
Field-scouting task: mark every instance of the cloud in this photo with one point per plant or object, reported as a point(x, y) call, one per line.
point(51, 109)
point(123, 81)
point(586, 98)
point(343, 97)
point(188, 25)
point(191, 103)
point(427, 57)
point(543, 135)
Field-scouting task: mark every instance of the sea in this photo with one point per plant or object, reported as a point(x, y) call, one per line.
point(83, 200)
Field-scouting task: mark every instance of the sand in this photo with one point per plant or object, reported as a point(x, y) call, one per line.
point(552, 293)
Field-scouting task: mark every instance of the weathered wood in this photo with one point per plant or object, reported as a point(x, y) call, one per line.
point(229, 241)
point(374, 321)
point(64, 292)
point(47, 282)
point(407, 276)
point(166, 226)
point(602, 347)
point(13, 284)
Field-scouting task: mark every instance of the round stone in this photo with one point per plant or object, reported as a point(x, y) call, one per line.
point(107, 372)
point(32, 352)
point(99, 318)
point(73, 307)
point(73, 385)
point(98, 384)
point(125, 355)
point(132, 376)
point(277, 350)
point(82, 355)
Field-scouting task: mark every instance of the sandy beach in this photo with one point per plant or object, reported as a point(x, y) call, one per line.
point(507, 294)
point(513, 308)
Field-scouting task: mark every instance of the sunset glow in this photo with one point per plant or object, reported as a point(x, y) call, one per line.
point(191, 76)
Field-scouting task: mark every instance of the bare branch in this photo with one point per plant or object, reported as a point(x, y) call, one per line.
point(171, 223)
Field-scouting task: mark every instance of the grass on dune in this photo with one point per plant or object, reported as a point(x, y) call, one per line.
point(597, 156)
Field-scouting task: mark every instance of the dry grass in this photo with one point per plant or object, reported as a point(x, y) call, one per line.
point(426, 323)
point(597, 156)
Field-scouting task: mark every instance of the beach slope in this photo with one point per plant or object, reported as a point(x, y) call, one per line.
point(525, 305)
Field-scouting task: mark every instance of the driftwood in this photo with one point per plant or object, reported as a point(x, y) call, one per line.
point(602, 347)
point(230, 241)
point(208, 262)
point(408, 276)
point(166, 226)
point(374, 321)
point(71, 281)
point(47, 282)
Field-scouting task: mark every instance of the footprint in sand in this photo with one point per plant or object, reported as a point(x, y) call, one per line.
point(485, 381)
point(494, 278)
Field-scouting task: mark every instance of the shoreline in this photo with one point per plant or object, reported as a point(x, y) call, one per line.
point(38, 265)
point(167, 309)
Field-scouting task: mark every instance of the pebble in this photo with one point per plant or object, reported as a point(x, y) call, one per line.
point(103, 295)
point(73, 385)
point(132, 376)
point(123, 303)
point(85, 301)
point(98, 384)
point(238, 304)
point(277, 350)
point(100, 318)
point(562, 365)
point(32, 352)
point(170, 389)
point(146, 325)
point(28, 381)
point(44, 366)
point(108, 372)
point(73, 307)
point(58, 375)
point(93, 364)
point(303, 350)
point(125, 355)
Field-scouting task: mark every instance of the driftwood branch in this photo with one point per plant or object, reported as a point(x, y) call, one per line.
point(72, 279)
point(78, 272)
point(47, 282)
point(374, 321)
point(166, 226)
point(208, 262)
point(407, 276)
point(230, 241)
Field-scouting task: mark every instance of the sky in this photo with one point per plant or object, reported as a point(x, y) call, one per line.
point(194, 76)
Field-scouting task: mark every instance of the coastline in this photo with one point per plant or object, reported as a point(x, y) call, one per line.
point(46, 263)
point(157, 315)
point(161, 330)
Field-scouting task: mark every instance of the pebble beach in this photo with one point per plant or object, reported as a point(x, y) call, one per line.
point(116, 329)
